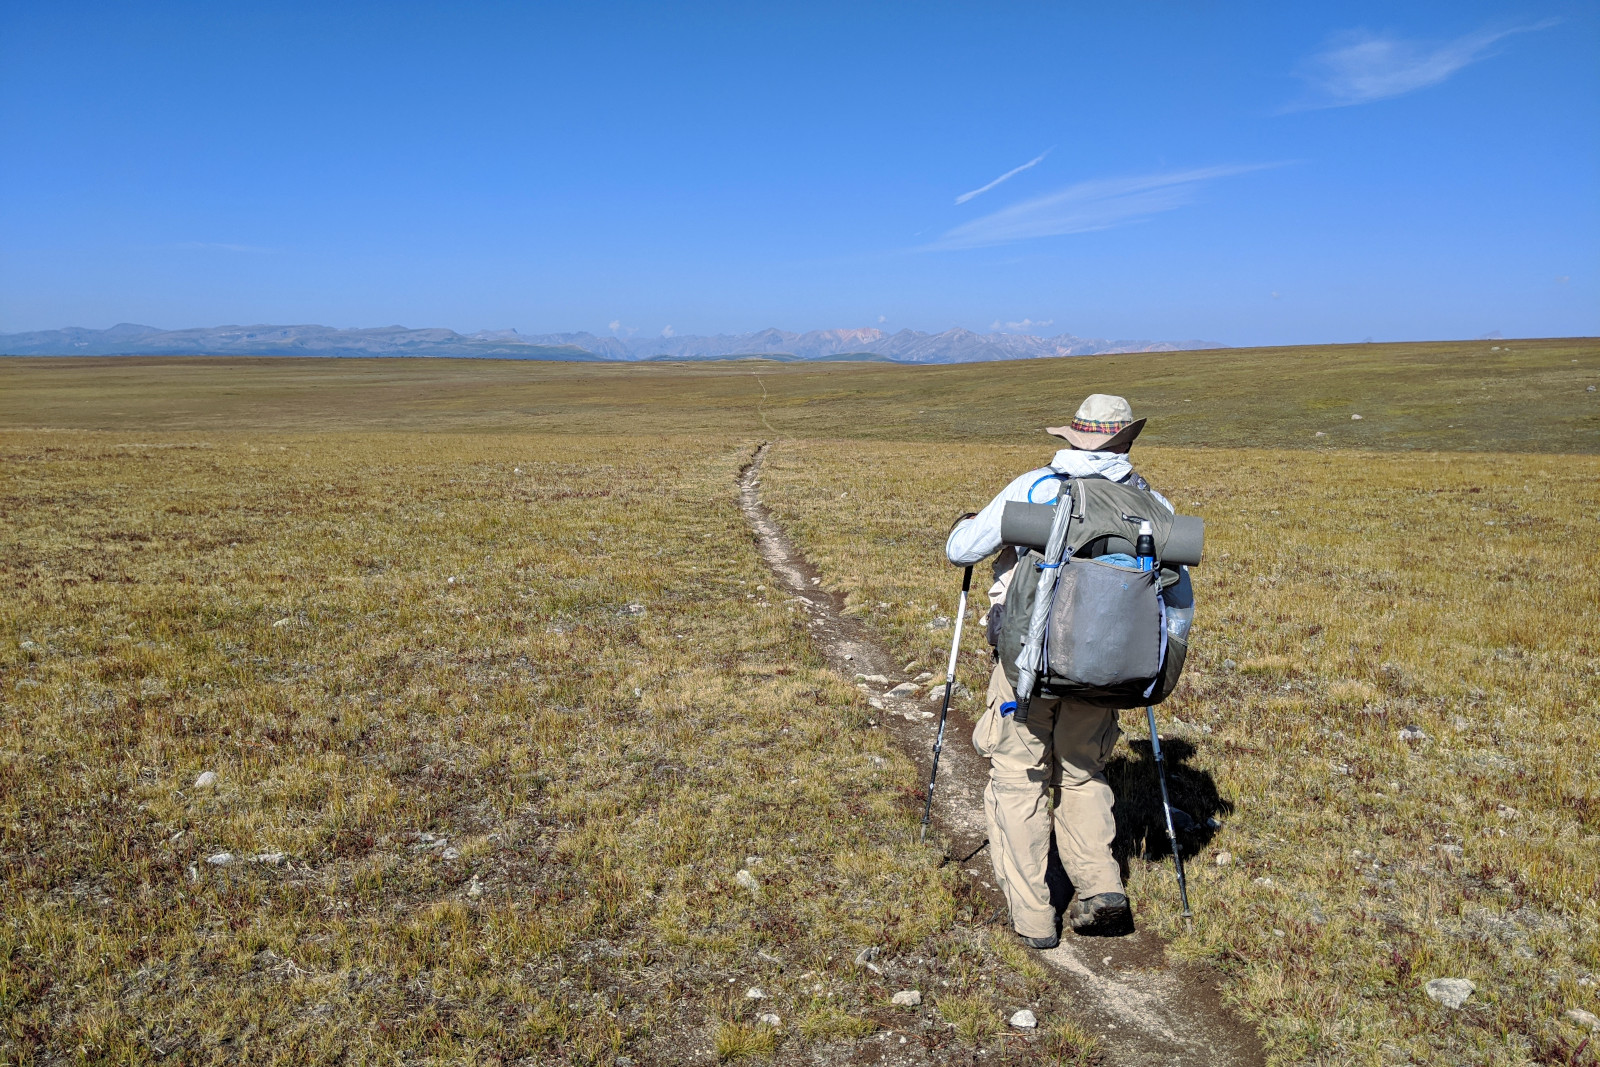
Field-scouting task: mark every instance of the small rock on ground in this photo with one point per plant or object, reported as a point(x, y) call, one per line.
point(1451, 992)
point(754, 993)
point(1412, 733)
point(767, 1018)
point(1583, 1018)
point(1224, 858)
point(911, 998)
point(206, 780)
point(872, 679)
point(1024, 1020)
point(747, 880)
point(220, 859)
point(941, 622)
point(904, 689)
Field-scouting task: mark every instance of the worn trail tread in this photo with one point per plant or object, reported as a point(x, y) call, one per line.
point(1146, 1010)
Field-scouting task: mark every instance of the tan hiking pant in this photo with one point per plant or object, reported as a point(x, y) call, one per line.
point(1062, 745)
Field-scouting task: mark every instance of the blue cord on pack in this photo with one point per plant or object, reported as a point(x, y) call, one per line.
point(1046, 478)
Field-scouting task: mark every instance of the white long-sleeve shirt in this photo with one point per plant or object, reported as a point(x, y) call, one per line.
point(978, 537)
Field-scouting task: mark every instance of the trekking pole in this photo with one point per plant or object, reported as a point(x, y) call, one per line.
point(944, 712)
point(1145, 549)
point(1166, 809)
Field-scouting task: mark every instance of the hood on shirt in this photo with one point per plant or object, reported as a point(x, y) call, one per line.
point(1075, 463)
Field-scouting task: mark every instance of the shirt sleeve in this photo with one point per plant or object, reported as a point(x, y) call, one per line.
point(977, 537)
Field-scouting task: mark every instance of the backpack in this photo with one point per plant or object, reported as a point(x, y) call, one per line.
point(1116, 636)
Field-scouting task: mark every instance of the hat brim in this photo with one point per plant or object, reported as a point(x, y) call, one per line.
point(1097, 442)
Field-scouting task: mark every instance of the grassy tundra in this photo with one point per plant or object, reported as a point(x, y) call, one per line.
point(498, 710)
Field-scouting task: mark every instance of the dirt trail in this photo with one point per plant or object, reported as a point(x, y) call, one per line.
point(1146, 1010)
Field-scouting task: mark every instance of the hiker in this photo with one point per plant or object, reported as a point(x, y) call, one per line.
point(1064, 744)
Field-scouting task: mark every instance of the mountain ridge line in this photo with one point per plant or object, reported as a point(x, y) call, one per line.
point(955, 345)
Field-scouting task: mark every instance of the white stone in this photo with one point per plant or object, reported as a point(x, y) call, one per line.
point(904, 689)
point(755, 993)
point(1412, 733)
point(1224, 858)
point(220, 859)
point(1451, 992)
point(450, 854)
point(1024, 1020)
point(206, 780)
point(908, 998)
point(748, 881)
point(767, 1018)
point(1268, 882)
point(475, 888)
point(1355, 418)
point(271, 859)
point(1587, 1019)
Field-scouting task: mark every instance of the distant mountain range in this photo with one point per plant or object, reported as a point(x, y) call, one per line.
point(904, 346)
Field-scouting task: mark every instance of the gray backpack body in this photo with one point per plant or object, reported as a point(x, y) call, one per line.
point(1108, 642)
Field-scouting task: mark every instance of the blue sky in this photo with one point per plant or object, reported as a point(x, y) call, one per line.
point(1251, 174)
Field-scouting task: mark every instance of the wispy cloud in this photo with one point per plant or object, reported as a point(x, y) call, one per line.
point(1012, 173)
point(1359, 67)
point(1023, 326)
point(1092, 205)
point(667, 331)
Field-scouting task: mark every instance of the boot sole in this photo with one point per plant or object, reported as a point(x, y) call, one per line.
point(1106, 921)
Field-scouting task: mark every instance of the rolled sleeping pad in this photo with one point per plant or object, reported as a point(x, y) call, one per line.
point(1185, 541)
point(1029, 525)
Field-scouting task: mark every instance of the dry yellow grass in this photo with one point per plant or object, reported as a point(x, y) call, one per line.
point(478, 809)
point(495, 849)
point(1344, 596)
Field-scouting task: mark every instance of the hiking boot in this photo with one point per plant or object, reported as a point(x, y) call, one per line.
point(1041, 942)
point(1106, 913)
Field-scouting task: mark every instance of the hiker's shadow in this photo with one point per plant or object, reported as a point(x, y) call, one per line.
point(1141, 825)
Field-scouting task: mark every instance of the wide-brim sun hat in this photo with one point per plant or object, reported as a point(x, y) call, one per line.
point(1102, 422)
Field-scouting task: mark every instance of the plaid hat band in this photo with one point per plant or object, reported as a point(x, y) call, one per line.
point(1097, 425)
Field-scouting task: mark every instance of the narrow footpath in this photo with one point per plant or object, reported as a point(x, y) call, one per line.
point(1146, 1010)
